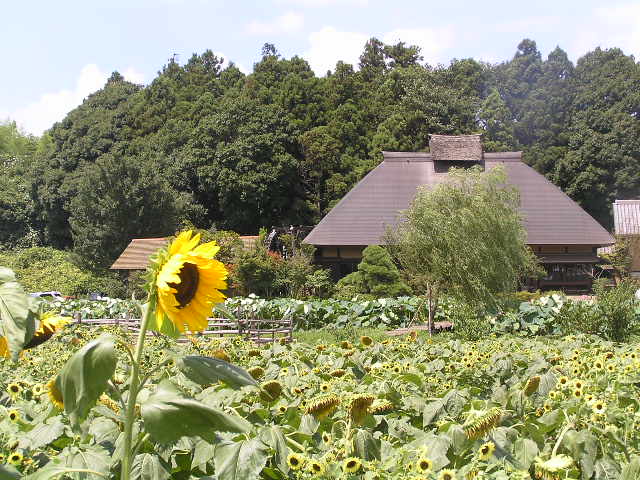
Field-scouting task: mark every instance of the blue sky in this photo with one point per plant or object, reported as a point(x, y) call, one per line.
point(56, 53)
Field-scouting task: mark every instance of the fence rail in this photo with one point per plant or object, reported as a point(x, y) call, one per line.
point(259, 330)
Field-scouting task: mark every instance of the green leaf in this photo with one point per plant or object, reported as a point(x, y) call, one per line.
point(90, 463)
point(85, 377)
point(8, 472)
point(167, 328)
point(43, 434)
point(202, 453)
point(525, 452)
point(7, 275)
point(104, 431)
point(164, 407)
point(17, 321)
point(274, 437)
point(149, 467)
point(207, 371)
point(433, 412)
point(240, 460)
point(366, 447)
point(631, 471)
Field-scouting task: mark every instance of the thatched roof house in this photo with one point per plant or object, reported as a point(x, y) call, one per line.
point(564, 236)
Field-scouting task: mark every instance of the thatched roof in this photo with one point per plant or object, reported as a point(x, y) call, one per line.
point(361, 217)
point(455, 147)
point(626, 217)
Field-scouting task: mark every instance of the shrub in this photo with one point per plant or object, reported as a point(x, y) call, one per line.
point(579, 317)
point(47, 269)
point(377, 276)
point(468, 323)
point(617, 307)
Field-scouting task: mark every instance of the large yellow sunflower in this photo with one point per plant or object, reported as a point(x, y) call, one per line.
point(50, 323)
point(188, 283)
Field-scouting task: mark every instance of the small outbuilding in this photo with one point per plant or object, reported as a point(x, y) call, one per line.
point(626, 218)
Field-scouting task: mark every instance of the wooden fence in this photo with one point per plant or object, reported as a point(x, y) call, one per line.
point(258, 330)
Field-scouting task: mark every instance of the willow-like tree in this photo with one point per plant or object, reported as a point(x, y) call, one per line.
point(464, 238)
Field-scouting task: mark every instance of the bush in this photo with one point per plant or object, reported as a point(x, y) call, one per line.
point(47, 269)
point(377, 276)
point(579, 317)
point(617, 306)
point(468, 324)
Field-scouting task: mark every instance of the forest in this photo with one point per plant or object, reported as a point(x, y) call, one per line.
point(215, 148)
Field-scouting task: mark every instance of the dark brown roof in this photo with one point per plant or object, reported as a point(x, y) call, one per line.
point(136, 255)
point(455, 147)
point(361, 217)
point(626, 217)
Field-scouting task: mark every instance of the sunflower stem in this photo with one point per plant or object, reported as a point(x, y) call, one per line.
point(134, 387)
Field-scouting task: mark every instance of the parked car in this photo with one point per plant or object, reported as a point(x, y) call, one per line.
point(48, 295)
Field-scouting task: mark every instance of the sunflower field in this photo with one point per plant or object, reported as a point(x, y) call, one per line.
point(404, 408)
point(80, 402)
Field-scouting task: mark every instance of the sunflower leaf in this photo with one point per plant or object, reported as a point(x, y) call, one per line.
point(240, 460)
point(85, 377)
point(17, 318)
point(150, 467)
point(161, 409)
point(165, 326)
point(9, 472)
point(207, 371)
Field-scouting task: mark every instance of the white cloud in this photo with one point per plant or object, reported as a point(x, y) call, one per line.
point(286, 23)
point(40, 115)
point(133, 76)
point(623, 22)
point(325, 3)
point(432, 41)
point(226, 62)
point(329, 45)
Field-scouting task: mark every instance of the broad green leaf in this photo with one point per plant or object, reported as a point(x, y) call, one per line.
point(9, 472)
point(89, 463)
point(207, 371)
point(17, 320)
point(433, 412)
point(274, 437)
point(240, 460)
point(85, 377)
point(202, 453)
point(166, 326)
point(148, 466)
point(366, 447)
point(525, 451)
point(7, 275)
point(168, 415)
point(43, 434)
point(631, 471)
point(104, 431)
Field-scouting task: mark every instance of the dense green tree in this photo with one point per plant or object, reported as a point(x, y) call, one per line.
point(281, 145)
point(119, 198)
point(603, 160)
point(495, 118)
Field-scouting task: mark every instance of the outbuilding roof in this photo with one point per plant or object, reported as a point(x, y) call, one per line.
point(375, 203)
point(136, 255)
point(626, 217)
